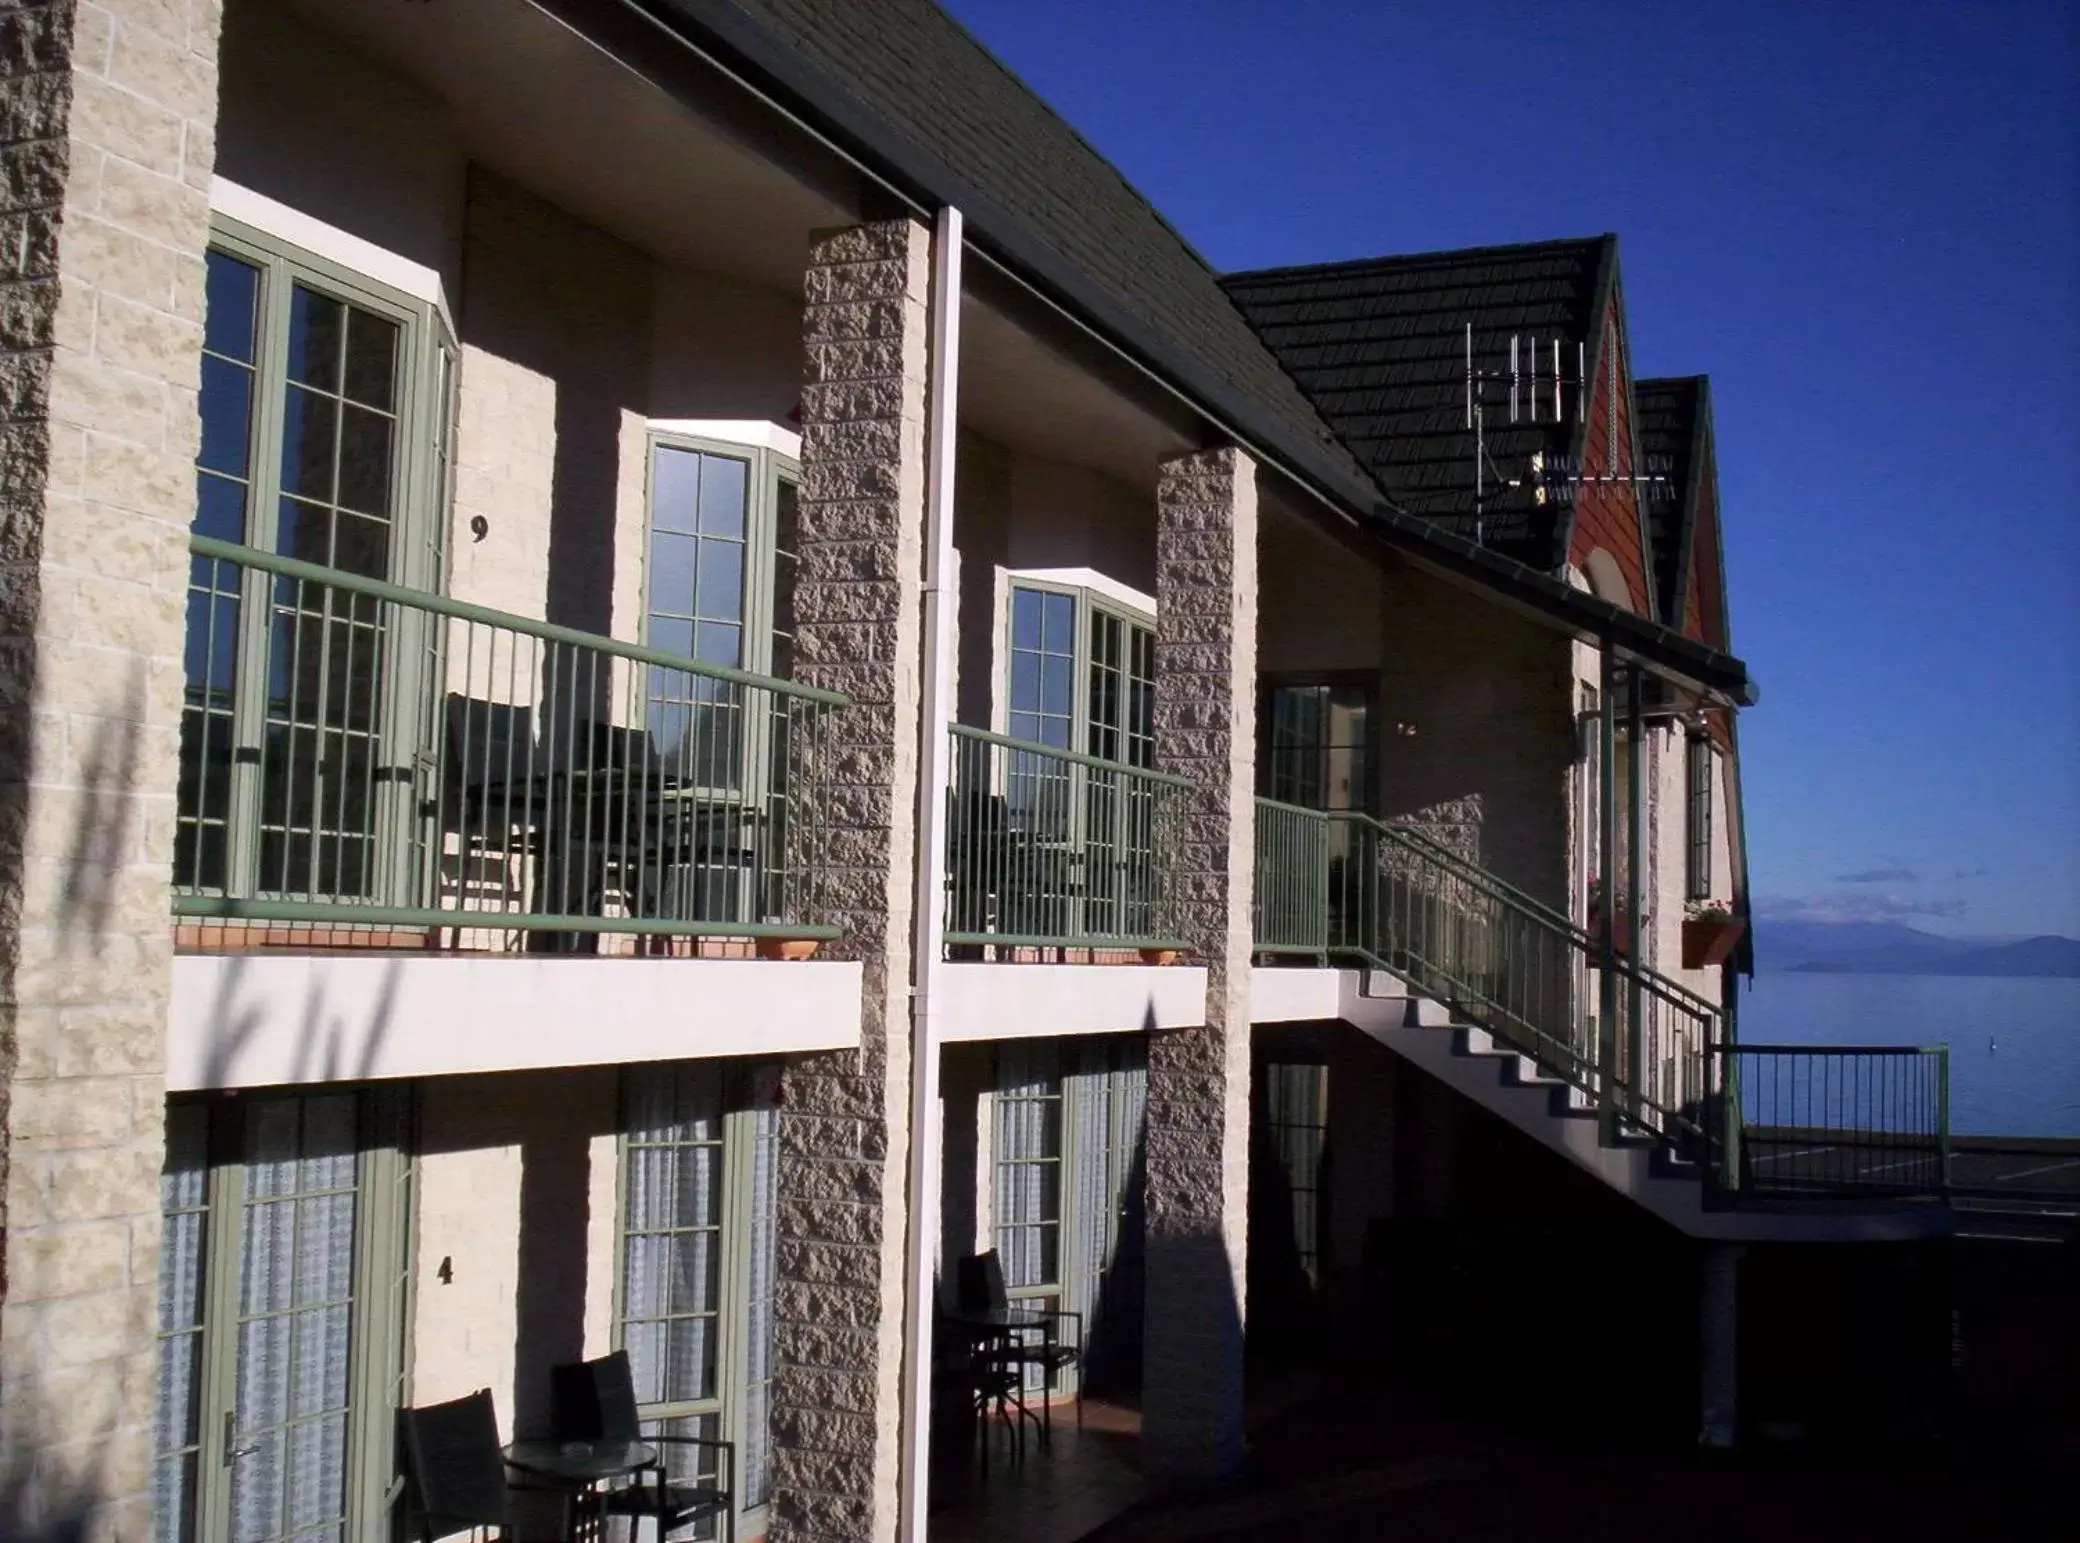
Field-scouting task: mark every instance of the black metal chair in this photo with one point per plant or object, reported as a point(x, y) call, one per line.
point(979, 1288)
point(596, 1401)
point(455, 1477)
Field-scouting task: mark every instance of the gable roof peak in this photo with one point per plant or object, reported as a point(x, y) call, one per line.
point(1396, 262)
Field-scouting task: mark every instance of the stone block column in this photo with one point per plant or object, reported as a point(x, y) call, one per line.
point(844, 1115)
point(1199, 1079)
point(109, 113)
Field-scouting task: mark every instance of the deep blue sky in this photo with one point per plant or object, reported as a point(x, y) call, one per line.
point(1862, 220)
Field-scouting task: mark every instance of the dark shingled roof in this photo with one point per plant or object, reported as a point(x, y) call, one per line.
point(1669, 431)
point(900, 87)
point(1380, 347)
point(919, 72)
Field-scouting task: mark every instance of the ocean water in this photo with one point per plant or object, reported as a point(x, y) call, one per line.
point(2014, 1044)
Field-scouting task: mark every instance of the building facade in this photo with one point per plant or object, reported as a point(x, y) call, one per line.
point(669, 665)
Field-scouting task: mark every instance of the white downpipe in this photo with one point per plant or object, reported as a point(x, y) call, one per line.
point(929, 945)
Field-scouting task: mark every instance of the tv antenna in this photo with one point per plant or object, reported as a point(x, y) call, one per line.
point(1547, 387)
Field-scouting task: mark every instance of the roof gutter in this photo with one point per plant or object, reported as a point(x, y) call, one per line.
point(736, 46)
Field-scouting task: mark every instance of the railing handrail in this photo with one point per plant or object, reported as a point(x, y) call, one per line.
point(1075, 757)
point(1473, 873)
point(1744, 1047)
point(1625, 964)
point(463, 610)
point(1286, 808)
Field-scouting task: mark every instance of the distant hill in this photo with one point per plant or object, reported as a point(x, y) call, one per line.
point(2040, 957)
point(1783, 945)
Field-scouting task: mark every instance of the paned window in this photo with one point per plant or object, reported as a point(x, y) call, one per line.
point(1029, 1168)
point(694, 1309)
point(1318, 745)
point(1296, 1116)
point(282, 1292)
point(1081, 674)
point(718, 587)
point(323, 405)
point(1698, 826)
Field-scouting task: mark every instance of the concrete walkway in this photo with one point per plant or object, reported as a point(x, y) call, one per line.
point(1347, 1466)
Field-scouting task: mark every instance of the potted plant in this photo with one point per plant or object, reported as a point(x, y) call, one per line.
point(1621, 924)
point(1158, 956)
point(787, 948)
point(1710, 931)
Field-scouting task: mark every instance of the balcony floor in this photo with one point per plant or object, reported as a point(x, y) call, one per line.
point(1057, 1495)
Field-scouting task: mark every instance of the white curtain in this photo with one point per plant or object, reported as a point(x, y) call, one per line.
point(296, 1289)
point(183, 1198)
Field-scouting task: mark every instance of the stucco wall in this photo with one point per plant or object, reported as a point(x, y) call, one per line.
point(513, 1258)
point(1320, 604)
point(1017, 511)
point(1476, 732)
point(570, 340)
point(309, 121)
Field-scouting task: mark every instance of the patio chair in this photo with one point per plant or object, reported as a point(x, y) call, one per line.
point(455, 1477)
point(979, 1287)
point(596, 1401)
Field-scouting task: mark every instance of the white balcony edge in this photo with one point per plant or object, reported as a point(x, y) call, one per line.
point(1295, 994)
point(264, 1020)
point(1029, 1001)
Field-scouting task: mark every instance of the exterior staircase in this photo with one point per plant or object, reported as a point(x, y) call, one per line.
point(1621, 1071)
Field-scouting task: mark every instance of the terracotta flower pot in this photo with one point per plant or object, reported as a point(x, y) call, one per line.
point(788, 948)
point(1710, 940)
point(1621, 927)
point(1158, 956)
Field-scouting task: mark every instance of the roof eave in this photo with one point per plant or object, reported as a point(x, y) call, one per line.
point(911, 171)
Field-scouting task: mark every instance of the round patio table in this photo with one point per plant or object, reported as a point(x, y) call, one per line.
point(580, 1462)
point(574, 1467)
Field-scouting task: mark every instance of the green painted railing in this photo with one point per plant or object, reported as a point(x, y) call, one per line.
point(1807, 1118)
point(353, 751)
point(1653, 1053)
point(1050, 849)
point(1290, 911)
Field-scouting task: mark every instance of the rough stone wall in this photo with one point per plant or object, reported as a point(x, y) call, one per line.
point(844, 1115)
point(107, 116)
point(1199, 1079)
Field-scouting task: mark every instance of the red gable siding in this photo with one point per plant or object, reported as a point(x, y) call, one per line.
point(1609, 516)
point(1703, 608)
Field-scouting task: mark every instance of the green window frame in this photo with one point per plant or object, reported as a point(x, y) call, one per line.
point(1078, 671)
point(327, 408)
point(255, 1391)
point(749, 519)
point(1700, 768)
point(697, 1193)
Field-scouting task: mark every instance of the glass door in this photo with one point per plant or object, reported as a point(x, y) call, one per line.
point(294, 714)
point(1318, 754)
point(282, 1294)
point(1069, 1187)
point(1107, 1098)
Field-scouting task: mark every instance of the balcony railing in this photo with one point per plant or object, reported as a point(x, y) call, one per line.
point(381, 758)
point(1348, 886)
point(1814, 1118)
point(1053, 850)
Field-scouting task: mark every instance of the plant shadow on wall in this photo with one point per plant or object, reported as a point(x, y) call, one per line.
point(329, 1048)
point(35, 1508)
point(103, 823)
